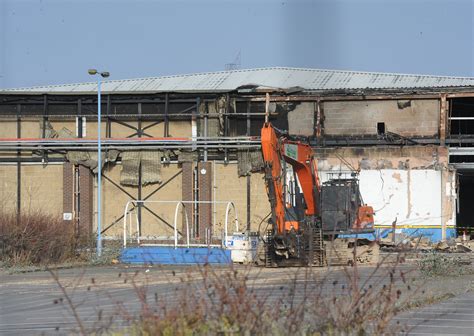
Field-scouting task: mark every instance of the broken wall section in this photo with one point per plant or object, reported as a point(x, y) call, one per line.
point(412, 186)
point(404, 117)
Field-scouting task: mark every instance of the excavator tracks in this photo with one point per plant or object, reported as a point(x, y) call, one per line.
point(315, 249)
point(270, 257)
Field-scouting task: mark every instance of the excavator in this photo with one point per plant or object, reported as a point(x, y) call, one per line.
point(305, 226)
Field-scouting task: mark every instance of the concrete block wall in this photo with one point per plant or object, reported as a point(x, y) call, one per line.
point(230, 187)
point(8, 129)
point(41, 188)
point(8, 187)
point(259, 203)
point(301, 119)
point(30, 128)
point(114, 201)
point(413, 157)
point(421, 118)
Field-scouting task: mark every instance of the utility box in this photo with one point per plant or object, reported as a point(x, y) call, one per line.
point(243, 247)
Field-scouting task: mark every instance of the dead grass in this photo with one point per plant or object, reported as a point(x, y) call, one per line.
point(440, 264)
point(236, 301)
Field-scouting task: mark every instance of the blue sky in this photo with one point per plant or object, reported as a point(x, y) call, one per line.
point(56, 41)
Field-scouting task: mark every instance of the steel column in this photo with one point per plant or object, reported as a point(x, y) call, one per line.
point(108, 126)
point(167, 124)
point(79, 118)
point(140, 173)
point(18, 164)
point(45, 115)
point(248, 176)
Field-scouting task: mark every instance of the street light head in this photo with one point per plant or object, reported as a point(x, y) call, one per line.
point(92, 71)
point(105, 74)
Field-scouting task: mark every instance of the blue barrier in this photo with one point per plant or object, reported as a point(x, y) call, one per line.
point(163, 255)
point(434, 235)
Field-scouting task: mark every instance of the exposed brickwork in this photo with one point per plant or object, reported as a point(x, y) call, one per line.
point(86, 200)
point(187, 193)
point(205, 194)
point(442, 119)
point(301, 119)
point(402, 158)
point(419, 118)
point(379, 152)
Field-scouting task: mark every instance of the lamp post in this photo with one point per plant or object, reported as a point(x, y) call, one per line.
point(103, 74)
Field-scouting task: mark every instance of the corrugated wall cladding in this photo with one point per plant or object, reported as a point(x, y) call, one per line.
point(278, 77)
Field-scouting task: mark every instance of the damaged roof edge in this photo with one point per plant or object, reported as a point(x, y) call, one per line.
point(282, 80)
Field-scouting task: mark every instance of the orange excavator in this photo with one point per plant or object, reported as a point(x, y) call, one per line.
point(308, 215)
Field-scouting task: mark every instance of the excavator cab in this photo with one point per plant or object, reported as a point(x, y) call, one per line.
point(342, 210)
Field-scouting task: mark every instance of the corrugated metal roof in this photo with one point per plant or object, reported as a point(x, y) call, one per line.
point(282, 78)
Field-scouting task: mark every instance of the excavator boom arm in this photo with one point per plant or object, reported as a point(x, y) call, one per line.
point(300, 157)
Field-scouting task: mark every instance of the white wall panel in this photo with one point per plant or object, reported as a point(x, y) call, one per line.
point(413, 197)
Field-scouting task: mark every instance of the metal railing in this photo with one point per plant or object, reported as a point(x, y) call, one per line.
point(128, 213)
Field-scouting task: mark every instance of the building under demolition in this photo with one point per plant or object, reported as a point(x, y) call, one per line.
point(195, 137)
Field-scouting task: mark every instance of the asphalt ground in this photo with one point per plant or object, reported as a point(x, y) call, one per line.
point(33, 303)
point(451, 317)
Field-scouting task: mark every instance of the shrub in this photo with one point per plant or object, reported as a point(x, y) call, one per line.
point(35, 238)
point(235, 301)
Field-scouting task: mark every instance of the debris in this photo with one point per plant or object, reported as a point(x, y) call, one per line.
point(463, 248)
point(442, 246)
point(150, 162)
point(187, 156)
point(249, 162)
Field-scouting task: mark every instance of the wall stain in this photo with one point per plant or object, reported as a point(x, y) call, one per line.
point(397, 177)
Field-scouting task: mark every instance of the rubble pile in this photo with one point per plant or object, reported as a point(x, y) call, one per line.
point(403, 242)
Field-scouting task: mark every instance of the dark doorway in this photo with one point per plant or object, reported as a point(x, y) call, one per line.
point(465, 207)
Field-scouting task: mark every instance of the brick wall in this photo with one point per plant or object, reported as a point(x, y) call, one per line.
point(187, 194)
point(68, 188)
point(420, 118)
point(82, 208)
point(86, 200)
